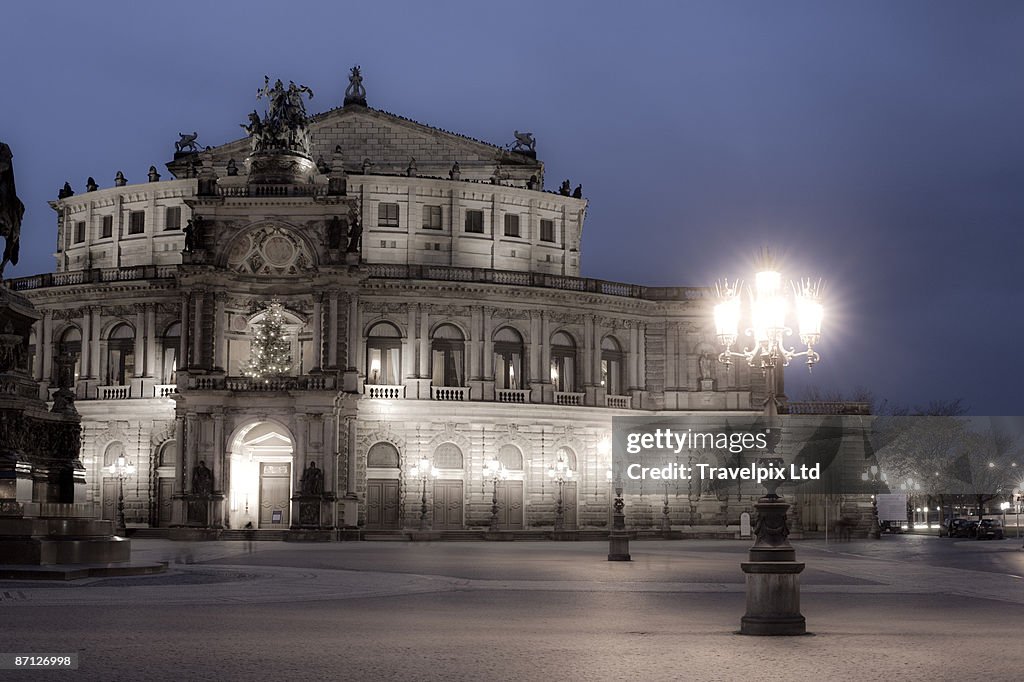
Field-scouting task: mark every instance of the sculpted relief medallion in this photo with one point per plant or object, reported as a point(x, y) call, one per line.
point(270, 250)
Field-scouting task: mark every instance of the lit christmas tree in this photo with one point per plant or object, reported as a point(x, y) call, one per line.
point(271, 352)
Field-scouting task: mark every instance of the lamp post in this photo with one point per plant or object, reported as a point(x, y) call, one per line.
point(874, 476)
point(773, 574)
point(560, 473)
point(910, 486)
point(121, 469)
point(423, 470)
point(494, 471)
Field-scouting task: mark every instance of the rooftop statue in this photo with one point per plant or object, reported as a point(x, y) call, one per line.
point(187, 143)
point(525, 142)
point(11, 210)
point(355, 93)
point(65, 191)
point(284, 126)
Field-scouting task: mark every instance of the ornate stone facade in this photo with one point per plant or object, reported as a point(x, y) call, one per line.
point(436, 312)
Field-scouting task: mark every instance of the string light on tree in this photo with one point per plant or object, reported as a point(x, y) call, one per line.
point(271, 352)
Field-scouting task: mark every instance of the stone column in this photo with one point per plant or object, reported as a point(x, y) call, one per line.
point(545, 347)
point(332, 331)
point(47, 346)
point(535, 344)
point(318, 332)
point(474, 343)
point(85, 361)
point(350, 429)
point(298, 464)
point(151, 335)
point(631, 357)
point(588, 351)
point(671, 354)
point(191, 448)
point(197, 328)
point(641, 359)
point(94, 328)
point(220, 323)
point(140, 340)
point(183, 362)
point(488, 356)
point(179, 458)
point(354, 361)
point(409, 346)
point(37, 359)
point(424, 342)
point(220, 474)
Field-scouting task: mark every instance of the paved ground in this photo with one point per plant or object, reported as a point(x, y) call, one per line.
point(906, 607)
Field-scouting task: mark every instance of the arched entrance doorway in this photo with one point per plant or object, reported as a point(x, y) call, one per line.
point(261, 476)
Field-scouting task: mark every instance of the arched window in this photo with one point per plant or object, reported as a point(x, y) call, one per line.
point(120, 354)
point(71, 344)
point(111, 453)
point(448, 356)
point(448, 456)
point(384, 355)
point(563, 362)
point(382, 456)
point(611, 366)
point(508, 359)
point(168, 456)
point(567, 456)
point(171, 344)
point(511, 457)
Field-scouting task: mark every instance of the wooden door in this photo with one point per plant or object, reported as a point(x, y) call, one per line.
point(510, 505)
point(275, 494)
point(382, 504)
point(163, 502)
point(109, 508)
point(447, 505)
point(569, 504)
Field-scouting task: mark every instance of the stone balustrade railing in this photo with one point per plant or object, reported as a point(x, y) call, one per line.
point(164, 390)
point(113, 392)
point(568, 399)
point(383, 391)
point(512, 395)
point(826, 407)
point(621, 402)
point(459, 393)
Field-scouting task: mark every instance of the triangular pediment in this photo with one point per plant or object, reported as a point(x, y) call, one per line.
point(389, 142)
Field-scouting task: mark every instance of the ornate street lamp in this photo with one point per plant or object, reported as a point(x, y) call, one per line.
point(423, 470)
point(121, 469)
point(874, 476)
point(560, 473)
point(494, 471)
point(773, 588)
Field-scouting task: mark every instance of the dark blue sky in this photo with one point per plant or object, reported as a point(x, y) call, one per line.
point(877, 144)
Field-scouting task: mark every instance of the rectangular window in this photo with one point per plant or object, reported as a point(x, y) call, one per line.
point(107, 229)
point(475, 222)
point(173, 221)
point(137, 222)
point(547, 230)
point(80, 232)
point(431, 217)
point(511, 224)
point(387, 215)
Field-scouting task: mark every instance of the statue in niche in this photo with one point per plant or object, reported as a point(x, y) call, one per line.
point(565, 188)
point(232, 168)
point(355, 231)
point(193, 233)
point(186, 143)
point(312, 483)
point(704, 365)
point(202, 480)
point(11, 210)
point(335, 233)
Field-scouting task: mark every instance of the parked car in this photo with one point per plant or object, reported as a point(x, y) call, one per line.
point(989, 529)
point(959, 528)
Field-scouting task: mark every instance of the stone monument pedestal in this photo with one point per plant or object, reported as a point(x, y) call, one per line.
point(772, 576)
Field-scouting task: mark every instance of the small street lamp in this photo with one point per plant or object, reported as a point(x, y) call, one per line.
point(874, 476)
point(910, 486)
point(773, 583)
point(494, 471)
point(423, 470)
point(560, 473)
point(121, 469)
point(1004, 506)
